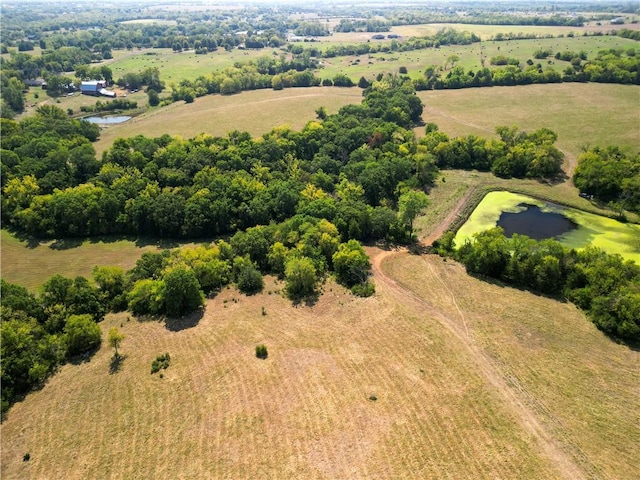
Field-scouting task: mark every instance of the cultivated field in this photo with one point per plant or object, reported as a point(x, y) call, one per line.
point(256, 112)
point(419, 381)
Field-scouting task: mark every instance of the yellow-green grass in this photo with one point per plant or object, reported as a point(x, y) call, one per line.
point(583, 115)
point(605, 233)
point(470, 56)
point(177, 66)
point(447, 404)
point(256, 112)
point(486, 32)
point(30, 264)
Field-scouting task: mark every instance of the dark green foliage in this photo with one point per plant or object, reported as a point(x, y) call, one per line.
point(365, 289)
point(261, 351)
point(182, 292)
point(82, 335)
point(247, 276)
point(160, 363)
point(610, 175)
point(516, 154)
point(603, 285)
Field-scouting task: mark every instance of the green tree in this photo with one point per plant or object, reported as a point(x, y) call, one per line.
point(182, 293)
point(154, 98)
point(351, 264)
point(81, 334)
point(409, 206)
point(301, 278)
point(115, 339)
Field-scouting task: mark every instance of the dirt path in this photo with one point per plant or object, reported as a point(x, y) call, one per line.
point(448, 220)
point(514, 398)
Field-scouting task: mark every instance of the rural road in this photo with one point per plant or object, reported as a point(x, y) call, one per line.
point(515, 399)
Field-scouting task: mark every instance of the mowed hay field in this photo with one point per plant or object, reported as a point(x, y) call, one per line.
point(256, 112)
point(415, 382)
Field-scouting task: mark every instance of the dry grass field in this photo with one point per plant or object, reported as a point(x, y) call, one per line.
point(256, 112)
point(419, 381)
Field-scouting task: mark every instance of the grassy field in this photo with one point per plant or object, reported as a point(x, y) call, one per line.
point(256, 112)
point(489, 31)
point(418, 381)
point(30, 264)
point(176, 66)
point(470, 55)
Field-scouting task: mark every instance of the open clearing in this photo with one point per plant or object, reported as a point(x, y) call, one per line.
point(32, 264)
point(256, 112)
point(495, 383)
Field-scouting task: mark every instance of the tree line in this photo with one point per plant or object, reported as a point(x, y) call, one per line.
point(610, 66)
point(351, 168)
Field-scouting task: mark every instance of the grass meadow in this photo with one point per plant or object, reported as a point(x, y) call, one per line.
point(418, 381)
point(256, 112)
point(30, 263)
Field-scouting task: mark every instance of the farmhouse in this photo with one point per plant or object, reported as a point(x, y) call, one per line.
point(96, 88)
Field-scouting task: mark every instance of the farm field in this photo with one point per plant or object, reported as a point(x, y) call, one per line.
point(469, 55)
point(415, 382)
point(486, 32)
point(177, 66)
point(256, 112)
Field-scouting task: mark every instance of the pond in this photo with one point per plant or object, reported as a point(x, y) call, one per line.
point(535, 223)
point(108, 119)
point(538, 219)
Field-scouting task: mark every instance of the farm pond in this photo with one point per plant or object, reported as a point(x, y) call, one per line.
point(108, 119)
point(539, 220)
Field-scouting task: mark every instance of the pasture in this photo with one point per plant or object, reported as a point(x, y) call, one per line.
point(256, 112)
point(470, 56)
point(418, 381)
point(485, 32)
point(31, 263)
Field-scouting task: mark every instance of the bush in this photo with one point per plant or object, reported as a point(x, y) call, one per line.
point(261, 351)
point(161, 362)
point(365, 289)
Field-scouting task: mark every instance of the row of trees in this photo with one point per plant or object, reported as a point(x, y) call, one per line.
point(611, 176)
point(605, 286)
point(610, 66)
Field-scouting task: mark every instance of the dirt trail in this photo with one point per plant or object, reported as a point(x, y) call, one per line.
point(514, 398)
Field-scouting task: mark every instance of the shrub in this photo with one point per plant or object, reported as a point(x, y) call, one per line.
point(161, 362)
point(261, 351)
point(365, 289)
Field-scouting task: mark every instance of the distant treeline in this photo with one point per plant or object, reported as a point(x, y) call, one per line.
point(605, 286)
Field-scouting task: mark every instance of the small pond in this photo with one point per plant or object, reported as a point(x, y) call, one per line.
point(108, 120)
point(538, 219)
point(535, 223)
